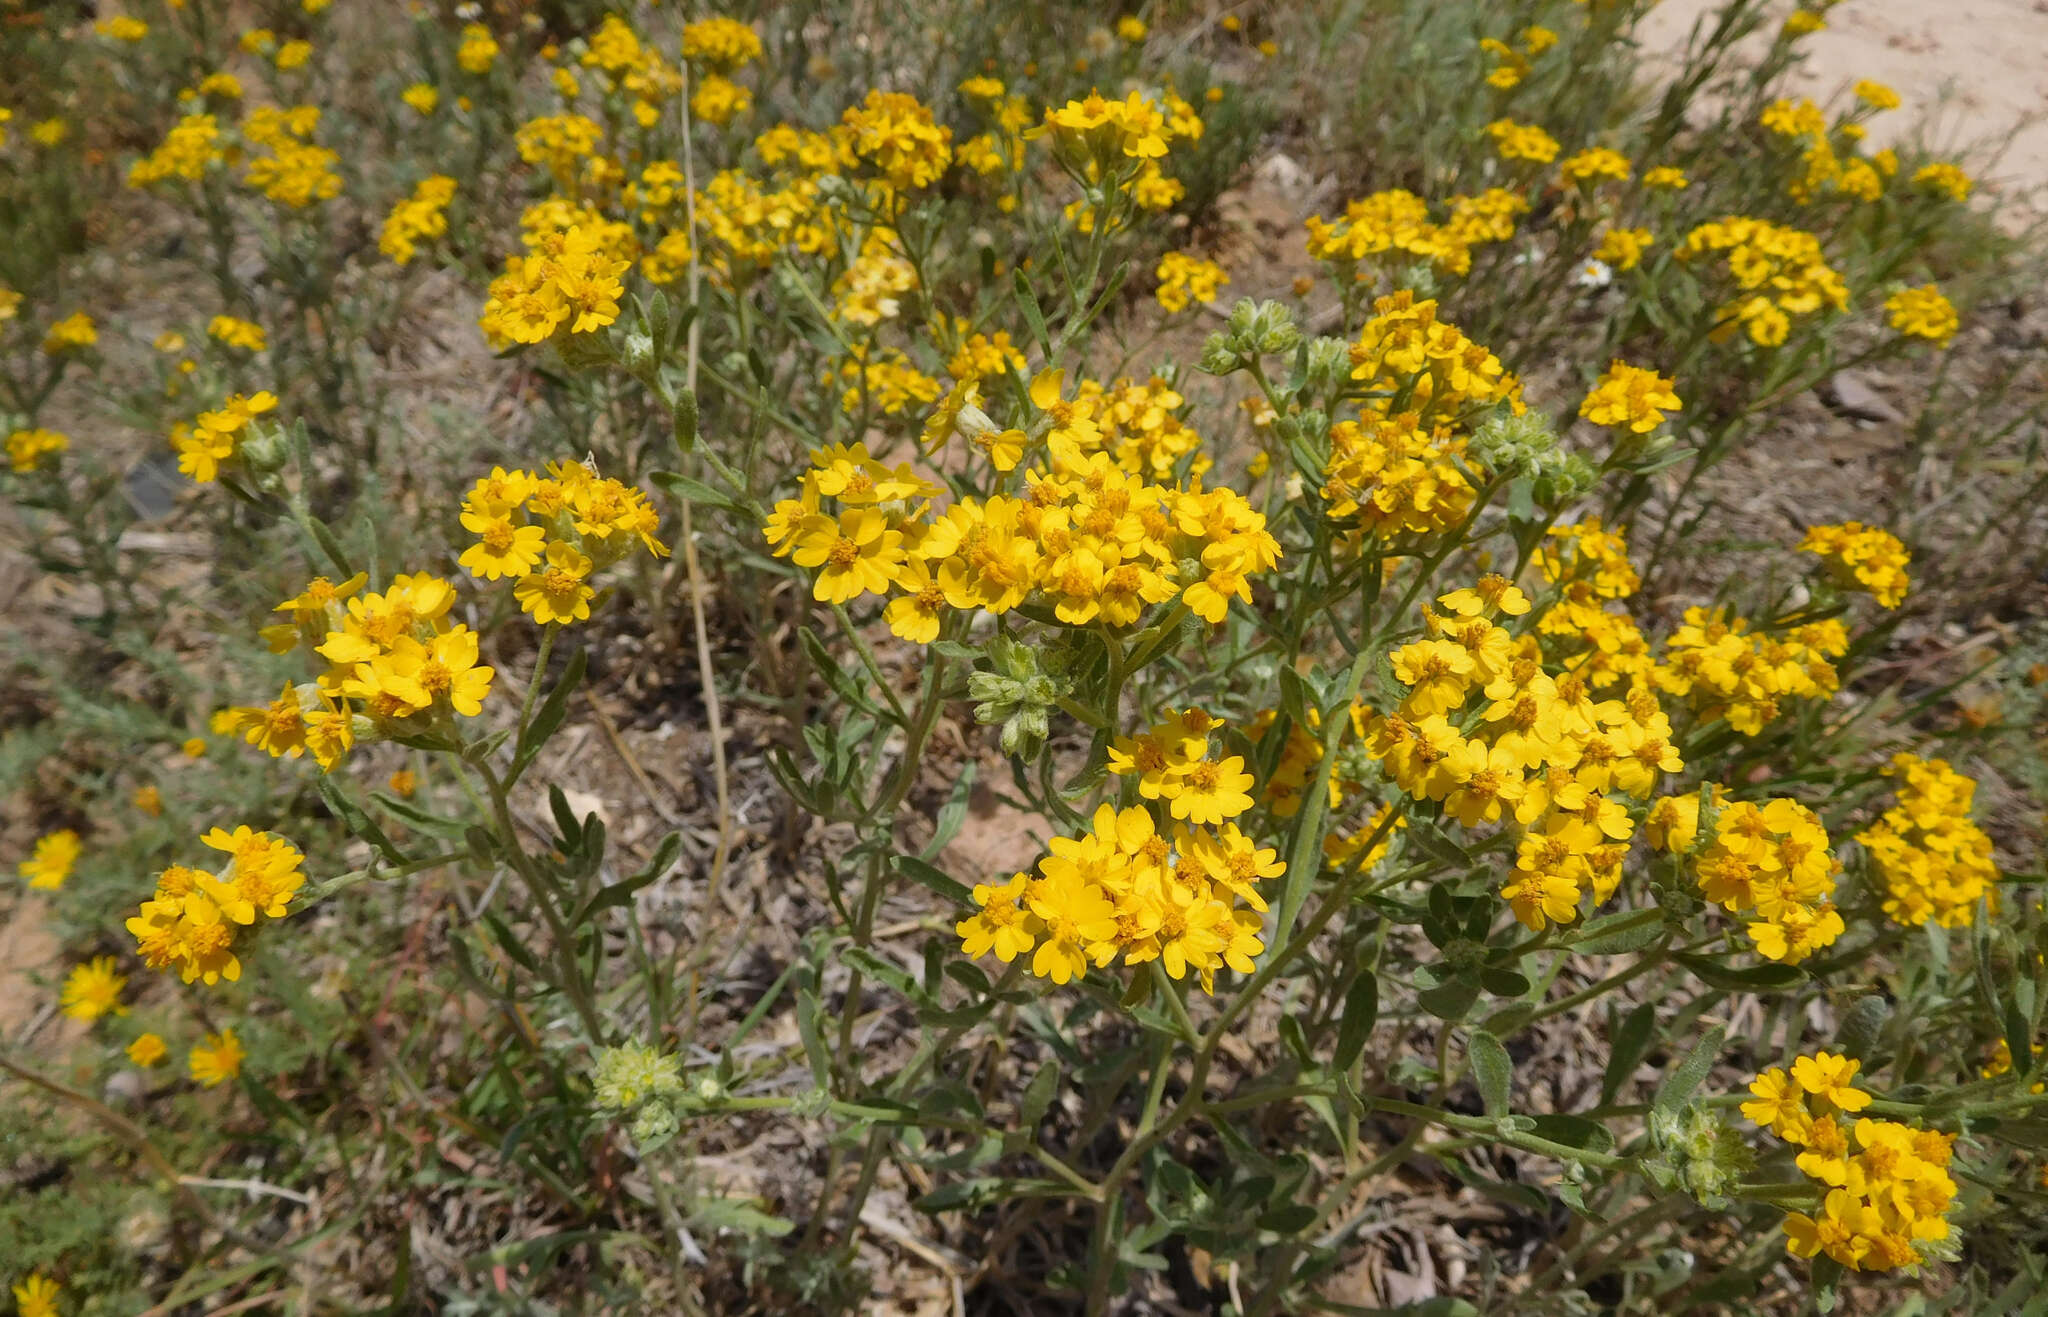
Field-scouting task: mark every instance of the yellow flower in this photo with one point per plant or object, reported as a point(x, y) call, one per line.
point(503, 548)
point(722, 43)
point(1876, 95)
point(1829, 1076)
point(93, 990)
point(1516, 141)
point(859, 551)
point(293, 55)
point(557, 593)
point(242, 334)
point(36, 1296)
point(193, 747)
point(74, 333)
point(423, 97)
point(1945, 180)
point(28, 450)
point(1185, 279)
point(218, 1059)
point(1862, 558)
point(1923, 313)
point(52, 862)
point(1630, 396)
point(149, 800)
point(1669, 178)
point(1593, 164)
point(411, 676)
point(478, 50)
point(1208, 791)
point(148, 1050)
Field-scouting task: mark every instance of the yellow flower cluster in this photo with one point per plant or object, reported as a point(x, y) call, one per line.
point(1944, 180)
point(478, 50)
point(191, 922)
point(1589, 565)
point(1089, 538)
point(74, 333)
point(550, 533)
point(884, 378)
point(895, 135)
point(31, 450)
point(1862, 558)
point(866, 292)
point(1522, 141)
point(1185, 894)
point(55, 855)
point(1630, 396)
point(294, 171)
point(1780, 273)
point(1934, 862)
point(1185, 279)
point(1823, 169)
point(1515, 64)
point(193, 143)
point(245, 335)
point(1729, 672)
point(1488, 731)
point(1771, 860)
point(1623, 249)
point(1923, 313)
point(1885, 1195)
point(723, 44)
point(1393, 471)
point(1593, 164)
point(1398, 222)
point(419, 218)
point(1098, 140)
point(634, 71)
point(213, 439)
point(567, 145)
point(569, 277)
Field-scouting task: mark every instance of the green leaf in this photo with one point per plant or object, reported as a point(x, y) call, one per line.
point(928, 875)
point(884, 971)
point(1678, 1086)
point(684, 426)
point(439, 824)
point(1754, 978)
point(737, 1214)
point(1492, 1068)
point(329, 545)
point(1027, 302)
point(510, 942)
point(1861, 1025)
point(1574, 1132)
point(1361, 1012)
point(1631, 1044)
point(356, 821)
point(1452, 998)
point(621, 892)
point(548, 717)
point(1615, 934)
point(688, 490)
point(952, 814)
point(1038, 1094)
point(566, 823)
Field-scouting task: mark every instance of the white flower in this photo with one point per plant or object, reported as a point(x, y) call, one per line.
point(1594, 274)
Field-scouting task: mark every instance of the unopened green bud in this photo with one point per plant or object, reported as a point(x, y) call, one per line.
point(1329, 364)
point(1219, 357)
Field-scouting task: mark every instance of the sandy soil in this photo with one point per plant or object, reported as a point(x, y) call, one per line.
point(1975, 69)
